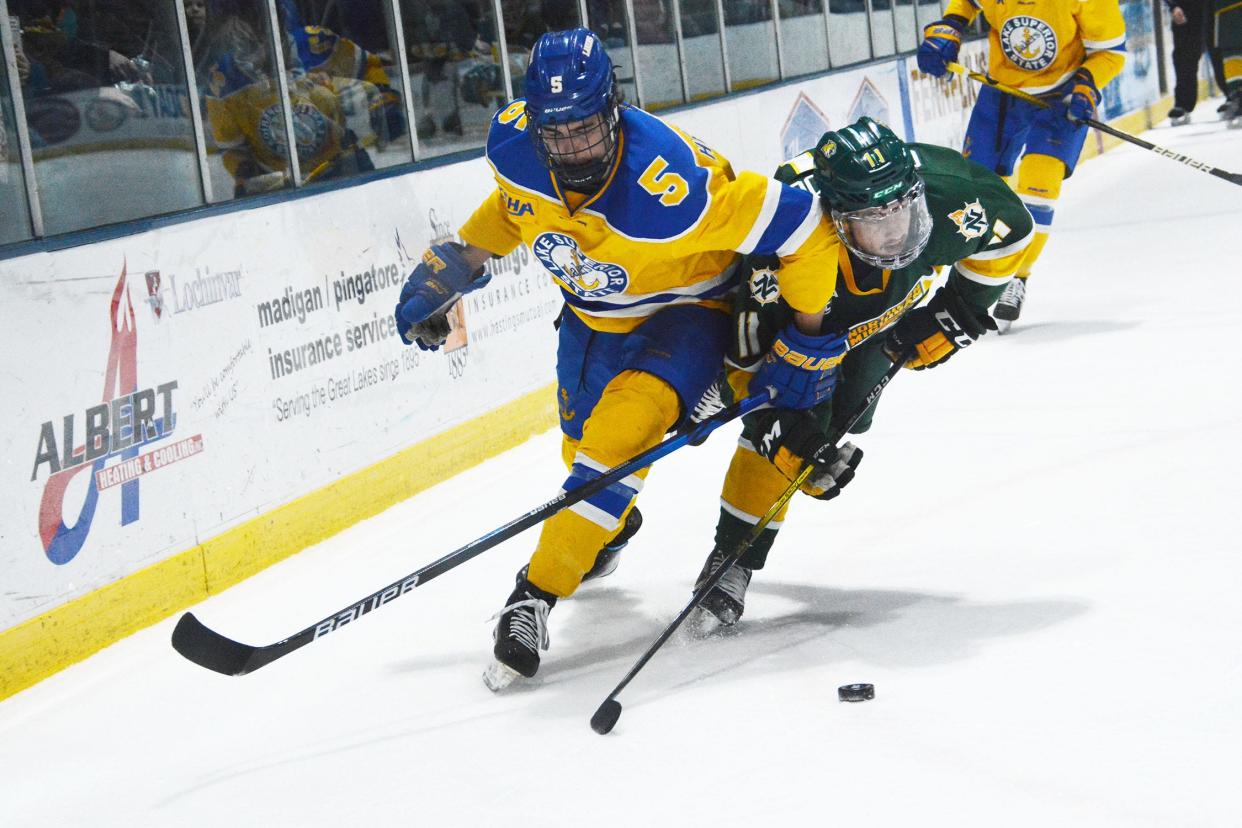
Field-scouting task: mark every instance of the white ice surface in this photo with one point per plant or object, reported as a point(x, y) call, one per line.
point(1038, 567)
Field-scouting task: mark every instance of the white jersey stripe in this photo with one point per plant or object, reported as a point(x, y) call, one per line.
point(1002, 252)
point(632, 482)
point(771, 200)
point(747, 516)
point(804, 230)
point(596, 515)
point(982, 278)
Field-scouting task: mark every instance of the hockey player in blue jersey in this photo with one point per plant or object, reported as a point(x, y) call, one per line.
point(641, 226)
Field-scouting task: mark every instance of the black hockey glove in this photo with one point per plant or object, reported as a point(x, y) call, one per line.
point(791, 439)
point(431, 333)
point(929, 335)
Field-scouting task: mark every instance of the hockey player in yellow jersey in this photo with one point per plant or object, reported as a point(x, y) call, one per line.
point(247, 121)
point(1065, 51)
point(641, 226)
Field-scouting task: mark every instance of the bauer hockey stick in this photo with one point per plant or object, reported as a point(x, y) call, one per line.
point(609, 711)
point(208, 648)
point(1232, 178)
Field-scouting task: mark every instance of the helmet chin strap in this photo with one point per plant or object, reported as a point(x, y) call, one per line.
point(587, 182)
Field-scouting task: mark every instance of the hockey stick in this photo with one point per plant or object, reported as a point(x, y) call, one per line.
point(208, 648)
point(1232, 178)
point(609, 711)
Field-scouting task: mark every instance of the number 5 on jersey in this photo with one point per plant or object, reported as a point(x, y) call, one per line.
point(669, 186)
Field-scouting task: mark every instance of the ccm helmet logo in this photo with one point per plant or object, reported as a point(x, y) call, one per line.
point(557, 86)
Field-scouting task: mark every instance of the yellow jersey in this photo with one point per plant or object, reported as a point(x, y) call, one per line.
point(666, 228)
point(1036, 45)
point(249, 120)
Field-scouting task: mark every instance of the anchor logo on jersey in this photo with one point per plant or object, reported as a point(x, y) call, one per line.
point(586, 277)
point(1029, 42)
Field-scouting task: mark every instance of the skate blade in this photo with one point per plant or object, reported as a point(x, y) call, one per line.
point(1003, 325)
point(498, 676)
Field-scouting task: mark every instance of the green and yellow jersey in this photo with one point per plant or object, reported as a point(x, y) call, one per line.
point(980, 231)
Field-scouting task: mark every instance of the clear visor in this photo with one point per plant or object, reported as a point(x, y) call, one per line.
point(890, 236)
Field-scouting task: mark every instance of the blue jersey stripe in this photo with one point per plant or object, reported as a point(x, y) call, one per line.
point(657, 299)
point(791, 211)
point(614, 500)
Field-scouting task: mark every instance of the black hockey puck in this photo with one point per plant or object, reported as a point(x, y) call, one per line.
point(856, 692)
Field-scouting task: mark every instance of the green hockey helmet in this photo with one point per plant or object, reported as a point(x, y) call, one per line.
point(868, 182)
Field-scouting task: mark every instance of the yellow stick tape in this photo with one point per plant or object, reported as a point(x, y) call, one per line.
point(35, 649)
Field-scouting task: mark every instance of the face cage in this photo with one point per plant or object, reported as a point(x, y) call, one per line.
point(911, 207)
point(594, 137)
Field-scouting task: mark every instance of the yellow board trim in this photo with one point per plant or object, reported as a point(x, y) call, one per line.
point(42, 646)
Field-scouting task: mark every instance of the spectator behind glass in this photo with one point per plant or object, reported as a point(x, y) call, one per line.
point(450, 50)
point(196, 28)
point(247, 122)
point(49, 44)
point(351, 71)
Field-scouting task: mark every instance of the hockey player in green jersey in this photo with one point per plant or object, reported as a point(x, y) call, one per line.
point(904, 212)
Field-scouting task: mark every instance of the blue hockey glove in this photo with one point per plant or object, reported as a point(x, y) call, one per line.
point(1083, 97)
point(439, 280)
point(941, 40)
point(803, 369)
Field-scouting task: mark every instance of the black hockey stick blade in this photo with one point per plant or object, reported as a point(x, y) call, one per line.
point(207, 648)
point(605, 718)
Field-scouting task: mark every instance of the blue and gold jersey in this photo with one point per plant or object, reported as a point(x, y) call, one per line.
point(1037, 45)
point(249, 120)
point(665, 229)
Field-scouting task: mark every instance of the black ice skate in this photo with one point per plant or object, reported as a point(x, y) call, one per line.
point(1009, 307)
point(725, 603)
point(1178, 116)
point(608, 558)
point(1233, 110)
point(521, 633)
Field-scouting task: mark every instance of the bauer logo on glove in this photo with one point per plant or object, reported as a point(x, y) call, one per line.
point(802, 369)
point(941, 42)
point(430, 291)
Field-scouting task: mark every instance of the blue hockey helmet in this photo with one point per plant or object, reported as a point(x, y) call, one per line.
point(573, 107)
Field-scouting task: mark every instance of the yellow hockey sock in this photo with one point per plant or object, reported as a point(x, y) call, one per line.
point(1039, 186)
point(632, 415)
point(751, 486)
